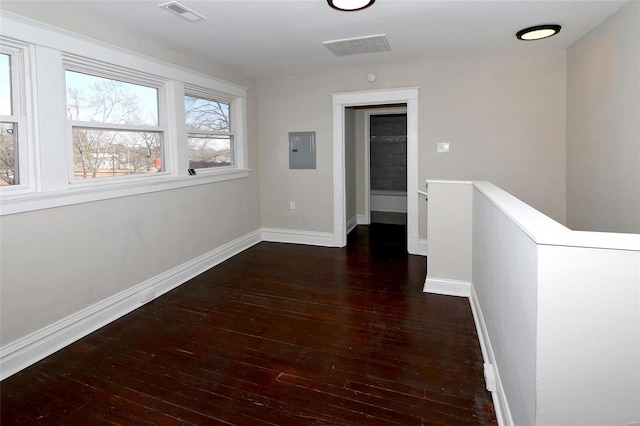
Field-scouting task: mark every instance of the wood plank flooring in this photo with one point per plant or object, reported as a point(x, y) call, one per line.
point(281, 334)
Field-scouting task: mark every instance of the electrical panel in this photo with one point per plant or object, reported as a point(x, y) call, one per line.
point(302, 150)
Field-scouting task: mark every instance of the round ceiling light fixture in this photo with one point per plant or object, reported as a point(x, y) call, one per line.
point(538, 32)
point(350, 5)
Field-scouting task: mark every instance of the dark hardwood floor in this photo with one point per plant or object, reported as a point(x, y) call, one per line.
point(281, 334)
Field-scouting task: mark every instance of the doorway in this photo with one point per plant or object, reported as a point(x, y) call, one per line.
point(375, 157)
point(341, 101)
point(386, 157)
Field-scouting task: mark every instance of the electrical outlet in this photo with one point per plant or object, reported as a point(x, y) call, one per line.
point(443, 147)
point(292, 205)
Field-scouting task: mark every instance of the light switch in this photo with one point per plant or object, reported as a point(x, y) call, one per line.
point(443, 147)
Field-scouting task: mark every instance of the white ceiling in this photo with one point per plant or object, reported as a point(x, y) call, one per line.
point(264, 38)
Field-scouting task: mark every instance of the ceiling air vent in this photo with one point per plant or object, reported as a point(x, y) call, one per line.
point(358, 45)
point(182, 11)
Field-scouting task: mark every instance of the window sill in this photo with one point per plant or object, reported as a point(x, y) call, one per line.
point(20, 203)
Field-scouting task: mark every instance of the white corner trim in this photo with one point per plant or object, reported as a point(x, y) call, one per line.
point(424, 246)
point(311, 238)
point(416, 246)
point(352, 222)
point(447, 287)
point(492, 374)
point(362, 219)
point(42, 343)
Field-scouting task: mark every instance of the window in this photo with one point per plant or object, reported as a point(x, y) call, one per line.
point(12, 121)
point(76, 127)
point(210, 138)
point(115, 127)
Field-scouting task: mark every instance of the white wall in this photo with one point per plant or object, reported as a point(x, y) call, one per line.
point(603, 126)
point(60, 261)
point(557, 311)
point(503, 116)
point(588, 336)
point(288, 106)
point(450, 236)
point(505, 282)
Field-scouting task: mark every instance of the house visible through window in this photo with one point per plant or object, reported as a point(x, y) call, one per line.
point(115, 127)
point(8, 126)
point(210, 136)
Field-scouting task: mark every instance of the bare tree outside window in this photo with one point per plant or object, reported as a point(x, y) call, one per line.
point(8, 130)
point(210, 141)
point(107, 151)
point(8, 154)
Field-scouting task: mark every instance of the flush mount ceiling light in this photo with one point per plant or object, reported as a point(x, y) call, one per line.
point(538, 32)
point(182, 11)
point(350, 5)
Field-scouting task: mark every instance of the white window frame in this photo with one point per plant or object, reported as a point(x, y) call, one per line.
point(201, 93)
point(49, 153)
point(112, 72)
point(19, 54)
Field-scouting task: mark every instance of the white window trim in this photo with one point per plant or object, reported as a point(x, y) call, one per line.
point(49, 184)
point(22, 108)
point(112, 72)
point(207, 95)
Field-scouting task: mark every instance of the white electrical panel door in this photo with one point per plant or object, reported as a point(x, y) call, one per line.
point(302, 150)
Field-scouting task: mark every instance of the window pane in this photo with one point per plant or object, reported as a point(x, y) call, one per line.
point(210, 151)
point(5, 85)
point(91, 98)
point(8, 154)
point(106, 153)
point(207, 115)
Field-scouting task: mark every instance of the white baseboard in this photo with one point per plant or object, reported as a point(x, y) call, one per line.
point(352, 222)
point(362, 219)
point(492, 374)
point(42, 343)
point(311, 238)
point(416, 246)
point(447, 287)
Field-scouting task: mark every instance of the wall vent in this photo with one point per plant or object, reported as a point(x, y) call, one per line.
point(182, 11)
point(359, 45)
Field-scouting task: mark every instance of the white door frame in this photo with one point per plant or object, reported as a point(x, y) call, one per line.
point(407, 96)
point(367, 153)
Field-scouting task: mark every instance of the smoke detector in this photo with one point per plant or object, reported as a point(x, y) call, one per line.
point(182, 11)
point(359, 45)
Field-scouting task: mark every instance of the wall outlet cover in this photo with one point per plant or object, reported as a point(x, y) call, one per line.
point(443, 147)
